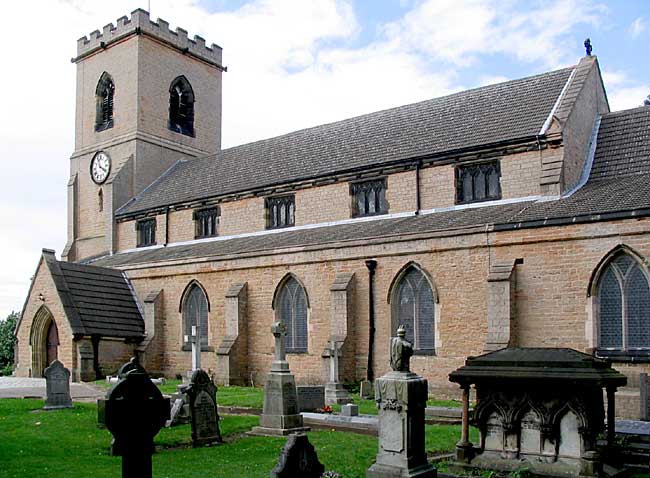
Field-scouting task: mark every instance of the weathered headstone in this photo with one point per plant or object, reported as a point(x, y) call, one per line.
point(175, 411)
point(57, 384)
point(298, 459)
point(310, 397)
point(335, 392)
point(202, 393)
point(135, 412)
point(644, 386)
point(401, 398)
point(365, 389)
point(280, 415)
point(350, 410)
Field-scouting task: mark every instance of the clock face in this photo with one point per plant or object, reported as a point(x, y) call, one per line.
point(100, 167)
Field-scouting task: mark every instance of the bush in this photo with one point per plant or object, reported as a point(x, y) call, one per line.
point(7, 342)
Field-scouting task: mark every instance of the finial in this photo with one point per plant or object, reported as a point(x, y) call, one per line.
point(588, 46)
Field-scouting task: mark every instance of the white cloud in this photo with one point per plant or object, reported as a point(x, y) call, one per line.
point(622, 92)
point(637, 27)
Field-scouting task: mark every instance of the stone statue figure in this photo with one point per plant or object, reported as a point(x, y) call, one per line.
point(588, 47)
point(400, 351)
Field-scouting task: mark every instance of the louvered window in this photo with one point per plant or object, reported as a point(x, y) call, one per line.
point(206, 221)
point(181, 107)
point(146, 232)
point(624, 306)
point(478, 182)
point(195, 313)
point(292, 310)
point(280, 211)
point(368, 198)
point(415, 309)
point(104, 94)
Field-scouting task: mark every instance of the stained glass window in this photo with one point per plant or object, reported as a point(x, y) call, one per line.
point(195, 313)
point(415, 309)
point(292, 310)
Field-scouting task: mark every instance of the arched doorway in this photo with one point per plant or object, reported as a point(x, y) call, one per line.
point(43, 341)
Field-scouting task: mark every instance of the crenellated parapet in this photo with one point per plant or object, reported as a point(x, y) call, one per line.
point(140, 23)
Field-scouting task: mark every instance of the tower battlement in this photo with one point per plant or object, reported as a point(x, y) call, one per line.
point(140, 23)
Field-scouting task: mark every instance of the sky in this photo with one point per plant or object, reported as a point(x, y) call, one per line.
point(291, 64)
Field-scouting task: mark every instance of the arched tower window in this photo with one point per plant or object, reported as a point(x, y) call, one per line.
point(104, 100)
point(100, 200)
point(623, 306)
point(291, 308)
point(414, 306)
point(195, 313)
point(181, 106)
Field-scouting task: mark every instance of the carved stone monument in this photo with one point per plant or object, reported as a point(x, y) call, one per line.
point(335, 392)
point(280, 414)
point(135, 412)
point(401, 397)
point(310, 397)
point(298, 459)
point(202, 393)
point(57, 383)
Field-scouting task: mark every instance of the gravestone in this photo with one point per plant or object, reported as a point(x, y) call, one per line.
point(202, 394)
point(644, 385)
point(57, 383)
point(310, 397)
point(280, 414)
point(133, 364)
point(174, 413)
point(298, 459)
point(401, 398)
point(365, 389)
point(335, 392)
point(135, 412)
point(350, 410)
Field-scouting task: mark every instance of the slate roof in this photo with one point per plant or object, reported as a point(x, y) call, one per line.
point(608, 193)
point(489, 115)
point(97, 300)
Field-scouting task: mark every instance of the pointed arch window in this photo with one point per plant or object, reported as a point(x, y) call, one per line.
point(104, 95)
point(623, 307)
point(181, 107)
point(195, 313)
point(291, 309)
point(414, 307)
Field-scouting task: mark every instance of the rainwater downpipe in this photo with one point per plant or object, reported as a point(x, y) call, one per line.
point(371, 264)
point(418, 165)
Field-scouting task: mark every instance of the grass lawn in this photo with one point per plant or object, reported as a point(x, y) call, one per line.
point(67, 443)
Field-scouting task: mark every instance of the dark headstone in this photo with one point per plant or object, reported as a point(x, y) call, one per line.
point(57, 380)
point(298, 459)
point(135, 413)
point(310, 398)
point(133, 364)
point(202, 394)
point(644, 385)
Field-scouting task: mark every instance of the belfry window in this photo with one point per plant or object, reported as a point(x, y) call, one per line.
point(195, 313)
point(414, 308)
point(368, 198)
point(623, 307)
point(280, 211)
point(206, 221)
point(104, 94)
point(291, 309)
point(146, 231)
point(181, 107)
point(478, 182)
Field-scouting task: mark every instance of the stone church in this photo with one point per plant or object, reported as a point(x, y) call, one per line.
point(513, 214)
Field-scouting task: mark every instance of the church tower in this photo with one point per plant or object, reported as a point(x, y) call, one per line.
point(146, 98)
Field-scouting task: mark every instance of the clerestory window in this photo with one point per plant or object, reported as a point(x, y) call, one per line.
point(104, 94)
point(206, 221)
point(368, 198)
point(280, 211)
point(181, 107)
point(146, 232)
point(478, 182)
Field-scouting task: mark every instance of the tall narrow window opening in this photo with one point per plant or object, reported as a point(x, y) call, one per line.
point(291, 309)
point(478, 182)
point(146, 232)
point(195, 313)
point(280, 211)
point(414, 307)
point(181, 107)
point(368, 198)
point(104, 94)
point(100, 200)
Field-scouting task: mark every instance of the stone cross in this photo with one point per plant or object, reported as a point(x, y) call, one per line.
point(196, 349)
point(280, 364)
point(335, 350)
point(135, 412)
point(57, 382)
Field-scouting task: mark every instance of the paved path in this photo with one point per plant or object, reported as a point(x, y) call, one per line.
point(18, 387)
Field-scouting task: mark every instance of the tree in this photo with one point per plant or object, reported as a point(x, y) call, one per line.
point(646, 102)
point(7, 341)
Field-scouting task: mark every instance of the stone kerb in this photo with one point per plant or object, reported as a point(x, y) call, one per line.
point(141, 23)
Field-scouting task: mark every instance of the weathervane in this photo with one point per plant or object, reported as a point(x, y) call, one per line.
point(588, 47)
